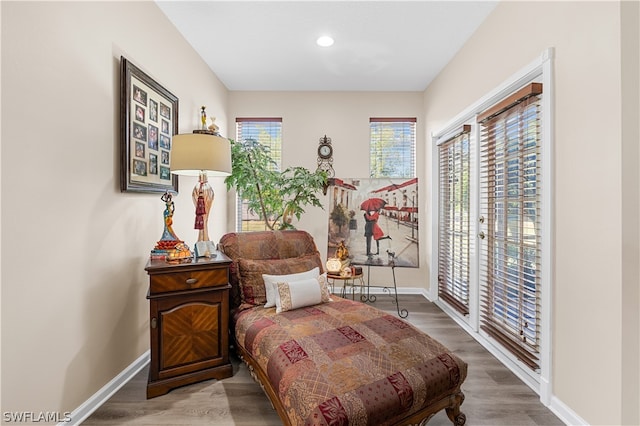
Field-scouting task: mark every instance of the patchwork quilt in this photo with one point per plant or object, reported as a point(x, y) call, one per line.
point(347, 363)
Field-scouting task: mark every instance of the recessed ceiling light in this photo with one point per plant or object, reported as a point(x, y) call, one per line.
point(324, 41)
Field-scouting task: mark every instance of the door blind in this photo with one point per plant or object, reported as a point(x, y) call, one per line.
point(454, 242)
point(510, 208)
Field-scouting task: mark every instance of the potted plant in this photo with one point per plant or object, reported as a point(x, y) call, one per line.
point(276, 196)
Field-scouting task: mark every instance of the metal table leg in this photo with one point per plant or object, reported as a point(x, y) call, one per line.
point(402, 313)
point(368, 297)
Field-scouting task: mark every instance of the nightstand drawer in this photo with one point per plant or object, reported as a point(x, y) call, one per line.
point(188, 280)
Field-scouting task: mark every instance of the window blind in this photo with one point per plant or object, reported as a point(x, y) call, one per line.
point(268, 132)
point(392, 147)
point(454, 239)
point(511, 188)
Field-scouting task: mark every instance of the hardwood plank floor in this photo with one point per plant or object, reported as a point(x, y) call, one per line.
point(494, 395)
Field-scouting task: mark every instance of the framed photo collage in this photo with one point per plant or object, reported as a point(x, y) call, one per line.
point(149, 119)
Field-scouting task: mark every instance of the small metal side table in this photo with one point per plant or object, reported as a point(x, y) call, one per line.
point(346, 281)
point(368, 297)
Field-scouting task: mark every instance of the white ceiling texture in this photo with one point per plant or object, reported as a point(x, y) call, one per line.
point(379, 45)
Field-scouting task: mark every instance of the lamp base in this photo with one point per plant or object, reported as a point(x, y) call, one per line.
point(205, 249)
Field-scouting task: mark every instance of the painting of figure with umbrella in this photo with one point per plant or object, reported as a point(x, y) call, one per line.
point(376, 220)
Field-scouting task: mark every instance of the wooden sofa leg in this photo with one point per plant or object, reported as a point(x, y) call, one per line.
point(457, 417)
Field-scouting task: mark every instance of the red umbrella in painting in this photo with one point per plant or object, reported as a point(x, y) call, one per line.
point(371, 204)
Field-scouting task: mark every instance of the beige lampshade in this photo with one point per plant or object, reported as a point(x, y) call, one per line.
point(192, 153)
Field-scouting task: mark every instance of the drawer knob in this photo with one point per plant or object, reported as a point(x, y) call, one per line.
point(154, 322)
point(192, 281)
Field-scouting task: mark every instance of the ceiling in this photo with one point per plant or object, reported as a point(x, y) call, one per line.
point(379, 45)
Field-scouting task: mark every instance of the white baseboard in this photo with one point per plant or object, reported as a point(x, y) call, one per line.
point(564, 413)
point(544, 390)
point(560, 409)
point(401, 290)
point(81, 413)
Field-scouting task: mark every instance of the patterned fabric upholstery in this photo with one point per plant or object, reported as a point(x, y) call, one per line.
point(347, 363)
point(252, 287)
point(266, 245)
point(336, 363)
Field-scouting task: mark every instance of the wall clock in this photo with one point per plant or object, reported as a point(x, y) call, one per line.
point(325, 156)
point(325, 151)
point(325, 160)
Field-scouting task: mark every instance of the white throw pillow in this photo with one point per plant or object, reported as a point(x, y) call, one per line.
point(298, 294)
point(271, 281)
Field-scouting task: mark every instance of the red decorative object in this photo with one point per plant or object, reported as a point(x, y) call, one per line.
point(373, 204)
point(201, 210)
point(202, 196)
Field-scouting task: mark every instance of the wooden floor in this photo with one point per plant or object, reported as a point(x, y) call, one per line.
point(494, 395)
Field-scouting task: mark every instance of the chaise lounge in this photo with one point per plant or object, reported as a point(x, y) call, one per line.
point(325, 360)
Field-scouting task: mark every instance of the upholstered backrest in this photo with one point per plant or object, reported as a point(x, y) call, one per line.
point(255, 253)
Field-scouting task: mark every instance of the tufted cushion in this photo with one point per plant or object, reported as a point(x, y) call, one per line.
point(252, 288)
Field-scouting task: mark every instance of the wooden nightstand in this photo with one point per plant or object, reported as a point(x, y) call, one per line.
point(189, 320)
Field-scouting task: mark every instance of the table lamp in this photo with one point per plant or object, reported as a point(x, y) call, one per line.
point(203, 153)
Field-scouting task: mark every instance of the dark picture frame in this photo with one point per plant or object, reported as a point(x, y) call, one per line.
point(145, 107)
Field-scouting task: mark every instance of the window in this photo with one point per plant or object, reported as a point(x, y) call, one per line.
point(392, 147)
point(267, 131)
point(510, 194)
point(454, 236)
point(507, 303)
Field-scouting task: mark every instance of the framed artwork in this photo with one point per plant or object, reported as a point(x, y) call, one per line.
point(148, 121)
point(376, 219)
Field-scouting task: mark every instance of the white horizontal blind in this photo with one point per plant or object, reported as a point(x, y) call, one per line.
point(454, 239)
point(510, 184)
point(267, 131)
point(392, 147)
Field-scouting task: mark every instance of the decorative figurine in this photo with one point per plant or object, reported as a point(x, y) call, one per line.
point(203, 117)
point(170, 247)
point(213, 126)
point(342, 252)
point(346, 272)
point(180, 254)
point(169, 208)
point(201, 210)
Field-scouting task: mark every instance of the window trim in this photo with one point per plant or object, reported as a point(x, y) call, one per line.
point(541, 68)
point(239, 202)
point(414, 160)
point(444, 290)
point(496, 157)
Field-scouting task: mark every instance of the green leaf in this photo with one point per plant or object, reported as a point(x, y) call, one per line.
point(275, 196)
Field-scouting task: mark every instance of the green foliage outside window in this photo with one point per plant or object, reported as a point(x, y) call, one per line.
point(392, 148)
point(275, 196)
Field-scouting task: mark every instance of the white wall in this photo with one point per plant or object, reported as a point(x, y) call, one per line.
point(630, 89)
point(344, 117)
point(74, 308)
point(588, 365)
